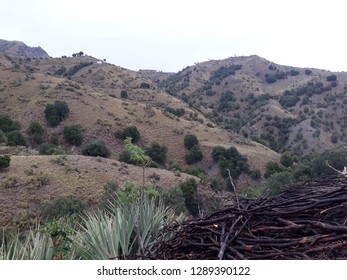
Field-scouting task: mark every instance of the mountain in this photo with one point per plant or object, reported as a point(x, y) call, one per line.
point(103, 100)
point(286, 108)
point(21, 49)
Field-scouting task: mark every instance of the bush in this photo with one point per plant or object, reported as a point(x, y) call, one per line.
point(125, 156)
point(51, 149)
point(271, 168)
point(286, 160)
point(95, 149)
point(218, 151)
point(3, 138)
point(230, 159)
point(62, 206)
point(331, 78)
point(56, 112)
point(279, 180)
point(189, 192)
point(194, 155)
point(132, 132)
point(175, 166)
point(190, 141)
point(334, 138)
point(7, 124)
point(4, 161)
point(36, 129)
point(124, 94)
point(15, 138)
point(145, 85)
point(73, 135)
point(256, 174)
point(157, 152)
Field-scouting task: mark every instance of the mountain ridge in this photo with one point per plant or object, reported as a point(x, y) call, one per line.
point(21, 49)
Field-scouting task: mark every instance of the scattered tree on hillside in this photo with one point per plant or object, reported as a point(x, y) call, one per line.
point(56, 112)
point(157, 152)
point(95, 149)
point(4, 161)
point(73, 134)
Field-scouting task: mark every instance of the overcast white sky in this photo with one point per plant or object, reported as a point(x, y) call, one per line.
point(170, 35)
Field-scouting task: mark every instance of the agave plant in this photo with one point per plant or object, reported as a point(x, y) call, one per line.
point(33, 246)
point(125, 231)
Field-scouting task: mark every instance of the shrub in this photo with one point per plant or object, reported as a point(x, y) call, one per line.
point(334, 138)
point(271, 168)
point(3, 138)
point(124, 94)
point(36, 129)
point(15, 138)
point(218, 151)
point(56, 112)
point(230, 159)
point(51, 149)
point(189, 192)
point(95, 148)
point(125, 156)
point(331, 78)
point(7, 124)
point(62, 206)
point(145, 85)
point(177, 112)
point(190, 141)
point(132, 132)
point(278, 180)
point(256, 174)
point(4, 161)
point(157, 152)
point(73, 135)
point(175, 166)
point(194, 155)
point(286, 160)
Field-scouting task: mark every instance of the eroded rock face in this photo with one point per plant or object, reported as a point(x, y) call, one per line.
point(19, 48)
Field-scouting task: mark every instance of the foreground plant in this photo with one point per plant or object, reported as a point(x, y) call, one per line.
point(125, 231)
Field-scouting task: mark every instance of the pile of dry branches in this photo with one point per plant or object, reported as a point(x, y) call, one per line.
point(307, 221)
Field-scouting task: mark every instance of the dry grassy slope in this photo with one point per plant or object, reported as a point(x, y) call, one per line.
point(24, 98)
point(33, 180)
point(27, 88)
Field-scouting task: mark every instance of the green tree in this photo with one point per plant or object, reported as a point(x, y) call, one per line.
point(56, 112)
point(4, 161)
point(194, 155)
point(73, 134)
point(36, 130)
point(138, 155)
point(7, 124)
point(15, 138)
point(286, 160)
point(271, 168)
point(132, 132)
point(190, 140)
point(157, 152)
point(95, 149)
point(124, 94)
point(334, 138)
point(189, 192)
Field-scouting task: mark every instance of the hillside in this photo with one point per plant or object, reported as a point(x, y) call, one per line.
point(283, 107)
point(103, 99)
point(21, 49)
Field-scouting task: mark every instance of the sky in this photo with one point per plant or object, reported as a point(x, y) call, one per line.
point(166, 35)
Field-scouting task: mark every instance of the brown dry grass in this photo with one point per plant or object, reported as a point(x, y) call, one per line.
point(32, 180)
